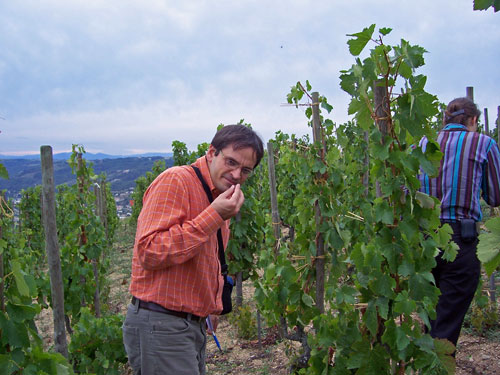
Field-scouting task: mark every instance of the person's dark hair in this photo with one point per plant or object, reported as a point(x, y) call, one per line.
point(460, 110)
point(239, 136)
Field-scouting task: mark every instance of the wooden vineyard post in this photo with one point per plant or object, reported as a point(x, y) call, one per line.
point(95, 262)
point(320, 243)
point(486, 121)
point(275, 217)
point(104, 201)
point(498, 124)
point(52, 249)
point(382, 114)
point(470, 92)
point(274, 197)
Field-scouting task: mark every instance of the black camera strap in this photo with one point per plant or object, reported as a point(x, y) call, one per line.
point(222, 256)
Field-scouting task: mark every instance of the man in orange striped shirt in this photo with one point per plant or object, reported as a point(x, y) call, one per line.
point(176, 272)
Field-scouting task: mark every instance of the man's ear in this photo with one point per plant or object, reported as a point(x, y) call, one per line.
point(211, 153)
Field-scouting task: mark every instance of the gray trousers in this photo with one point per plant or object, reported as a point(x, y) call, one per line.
point(158, 343)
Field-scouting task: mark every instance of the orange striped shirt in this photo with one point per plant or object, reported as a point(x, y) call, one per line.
point(176, 261)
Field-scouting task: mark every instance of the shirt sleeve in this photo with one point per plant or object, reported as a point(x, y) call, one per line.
point(491, 176)
point(166, 236)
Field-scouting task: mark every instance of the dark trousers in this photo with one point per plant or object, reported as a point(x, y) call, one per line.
point(457, 282)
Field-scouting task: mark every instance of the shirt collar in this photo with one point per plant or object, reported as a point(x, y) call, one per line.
point(455, 127)
point(202, 164)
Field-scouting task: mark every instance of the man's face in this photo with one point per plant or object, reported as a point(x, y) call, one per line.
point(230, 167)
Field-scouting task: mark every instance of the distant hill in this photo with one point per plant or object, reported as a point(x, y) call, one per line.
point(121, 172)
point(88, 156)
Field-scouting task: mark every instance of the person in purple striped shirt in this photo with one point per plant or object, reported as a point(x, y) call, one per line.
point(470, 169)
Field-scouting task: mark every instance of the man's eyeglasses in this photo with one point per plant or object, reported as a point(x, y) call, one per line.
point(233, 164)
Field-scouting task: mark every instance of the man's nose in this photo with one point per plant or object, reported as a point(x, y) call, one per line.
point(236, 174)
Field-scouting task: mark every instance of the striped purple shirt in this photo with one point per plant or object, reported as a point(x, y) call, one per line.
point(470, 168)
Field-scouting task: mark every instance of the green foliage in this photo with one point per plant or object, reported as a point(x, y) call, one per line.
point(245, 322)
point(380, 234)
point(21, 347)
point(184, 157)
point(141, 184)
point(82, 237)
point(247, 236)
point(85, 241)
point(484, 315)
point(112, 219)
point(31, 229)
point(97, 344)
point(485, 4)
point(488, 249)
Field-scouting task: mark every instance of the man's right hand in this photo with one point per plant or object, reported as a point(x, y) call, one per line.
point(228, 203)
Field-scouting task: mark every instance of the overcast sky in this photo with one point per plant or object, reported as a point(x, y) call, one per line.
point(131, 76)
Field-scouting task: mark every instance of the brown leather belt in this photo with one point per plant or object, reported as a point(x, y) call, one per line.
point(151, 306)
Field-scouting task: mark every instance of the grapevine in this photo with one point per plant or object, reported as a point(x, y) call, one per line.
point(379, 233)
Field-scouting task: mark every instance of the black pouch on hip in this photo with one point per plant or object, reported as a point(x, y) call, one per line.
point(468, 230)
point(227, 304)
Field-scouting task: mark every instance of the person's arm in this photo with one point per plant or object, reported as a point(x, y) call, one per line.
point(165, 235)
point(491, 177)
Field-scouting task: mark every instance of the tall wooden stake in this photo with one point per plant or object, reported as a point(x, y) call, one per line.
point(382, 112)
point(486, 121)
point(275, 218)
point(52, 249)
point(95, 262)
point(470, 92)
point(320, 242)
point(274, 195)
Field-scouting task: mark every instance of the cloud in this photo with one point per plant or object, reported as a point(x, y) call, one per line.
point(127, 75)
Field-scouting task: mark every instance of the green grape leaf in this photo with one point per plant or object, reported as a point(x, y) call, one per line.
point(488, 249)
point(383, 212)
point(346, 294)
point(17, 334)
point(308, 300)
point(384, 285)
point(424, 200)
point(7, 365)
point(405, 70)
point(370, 318)
point(326, 106)
point(404, 305)
point(444, 350)
point(348, 82)
point(384, 30)
point(21, 313)
point(486, 4)
point(21, 284)
point(357, 44)
point(450, 248)
point(383, 307)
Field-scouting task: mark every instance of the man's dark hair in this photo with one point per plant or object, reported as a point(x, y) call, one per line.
point(459, 111)
point(238, 136)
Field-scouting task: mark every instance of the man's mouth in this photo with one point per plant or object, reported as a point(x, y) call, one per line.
point(231, 181)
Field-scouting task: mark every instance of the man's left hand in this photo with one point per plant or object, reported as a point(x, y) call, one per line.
point(214, 319)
